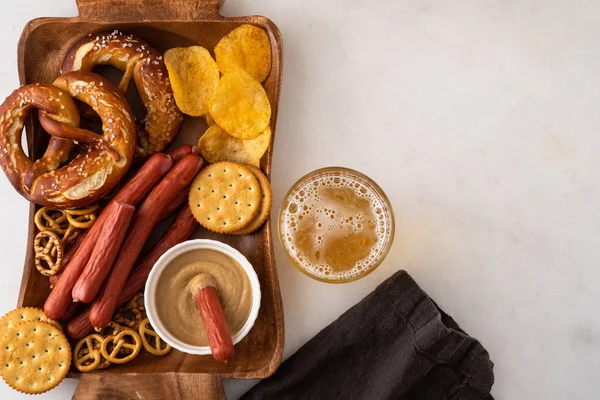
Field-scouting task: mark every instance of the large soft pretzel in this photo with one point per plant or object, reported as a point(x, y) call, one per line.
point(89, 175)
point(139, 60)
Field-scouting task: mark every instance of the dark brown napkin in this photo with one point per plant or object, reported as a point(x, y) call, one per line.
point(395, 344)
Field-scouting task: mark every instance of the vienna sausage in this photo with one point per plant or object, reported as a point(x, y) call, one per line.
point(182, 229)
point(176, 180)
point(113, 232)
point(132, 193)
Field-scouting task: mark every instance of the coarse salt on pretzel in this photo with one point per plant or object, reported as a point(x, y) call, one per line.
point(88, 176)
point(140, 61)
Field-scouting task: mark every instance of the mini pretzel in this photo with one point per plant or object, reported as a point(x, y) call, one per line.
point(128, 316)
point(134, 345)
point(83, 211)
point(57, 221)
point(47, 219)
point(81, 221)
point(104, 363)
point(48, 253)
point(82, 218)
point(97, 340)
point(146, 329)
point(112, 329)
point(70, 235)
point(137, 301)
point(86, 355)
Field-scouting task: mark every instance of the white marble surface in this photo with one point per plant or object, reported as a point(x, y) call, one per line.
point(480, 120)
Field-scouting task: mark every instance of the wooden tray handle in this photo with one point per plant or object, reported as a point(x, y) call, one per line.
point(94, 386)
point(148, 10)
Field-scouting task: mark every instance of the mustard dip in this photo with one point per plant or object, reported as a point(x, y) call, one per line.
point(175, 303)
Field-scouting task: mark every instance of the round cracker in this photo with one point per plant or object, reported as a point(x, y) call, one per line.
point(37, 356)
point(225, 197)
point(23, 314)
point(265, 204)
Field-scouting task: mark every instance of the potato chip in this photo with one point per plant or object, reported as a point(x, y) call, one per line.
point(217, 145)
point(247, 47)
point(209, 120)
point(194, 77)
point(240, 105)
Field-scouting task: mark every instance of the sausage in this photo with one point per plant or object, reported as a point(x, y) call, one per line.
point(143, 222)
point(149, 174)
point(179, 152)
point(60, 297)
point(215, 323)
point(132, 193)
point(71, 311)
point(176, 155)
point(106, 249)
point(182, 228)
point(175, 205)
point(181, 199)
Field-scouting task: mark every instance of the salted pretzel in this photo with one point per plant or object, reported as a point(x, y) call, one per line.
point(156, 348)
point(140, 61)
point(87, 177)
point(49, 252)
point(128, 340)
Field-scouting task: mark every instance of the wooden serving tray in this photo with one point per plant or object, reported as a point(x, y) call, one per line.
point(164, 24)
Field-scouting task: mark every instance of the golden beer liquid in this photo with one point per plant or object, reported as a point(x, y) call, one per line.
point(336, 224)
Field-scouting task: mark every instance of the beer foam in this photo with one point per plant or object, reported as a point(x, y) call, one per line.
point(335, 226)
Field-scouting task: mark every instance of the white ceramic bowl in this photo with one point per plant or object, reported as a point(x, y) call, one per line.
point(165, 259)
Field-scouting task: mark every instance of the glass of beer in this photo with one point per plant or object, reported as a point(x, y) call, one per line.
point(336, 224)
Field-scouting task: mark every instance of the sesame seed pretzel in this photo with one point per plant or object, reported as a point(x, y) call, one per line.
point(90, 175)
point(140, 61)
